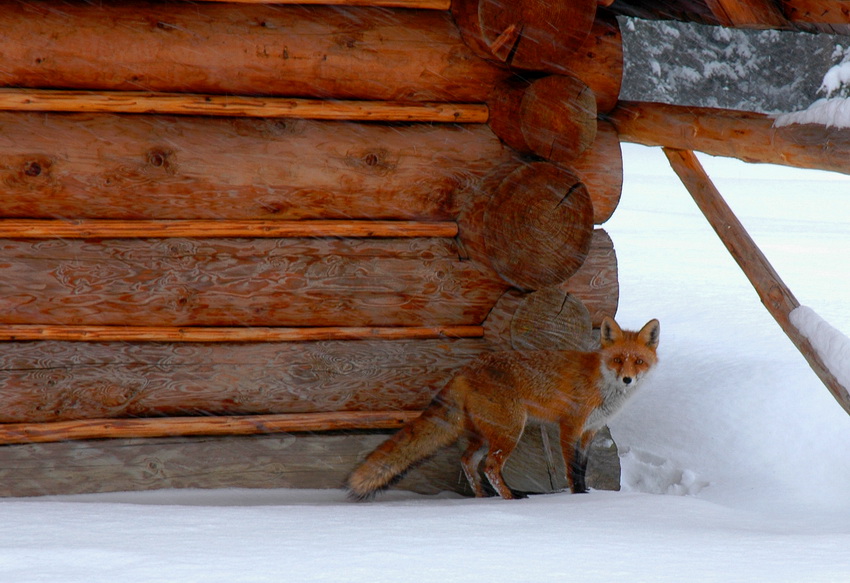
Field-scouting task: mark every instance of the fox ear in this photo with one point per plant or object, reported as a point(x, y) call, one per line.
point(650, 333)
point(610, 332)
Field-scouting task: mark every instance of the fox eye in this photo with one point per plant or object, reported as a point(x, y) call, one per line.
point(618, 360)
point(639, 361)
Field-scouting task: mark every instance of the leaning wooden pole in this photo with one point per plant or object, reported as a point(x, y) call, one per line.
point(774, 294)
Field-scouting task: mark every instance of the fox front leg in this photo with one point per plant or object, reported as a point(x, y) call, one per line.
point(574, 447)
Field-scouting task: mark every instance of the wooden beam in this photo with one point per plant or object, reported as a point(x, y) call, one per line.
point(737, 134)
point(818, 11)
point(756, 14)
point(26, 332)
point(772, 291)
point(109, 229)
point(412, 4)
point(236, 106)
point(19, 433)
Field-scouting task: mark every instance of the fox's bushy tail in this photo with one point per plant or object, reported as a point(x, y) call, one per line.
point(438, 426)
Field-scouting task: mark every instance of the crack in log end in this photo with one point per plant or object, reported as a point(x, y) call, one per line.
point(569, 193)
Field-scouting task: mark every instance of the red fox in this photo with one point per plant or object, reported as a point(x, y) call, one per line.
point(491, 398)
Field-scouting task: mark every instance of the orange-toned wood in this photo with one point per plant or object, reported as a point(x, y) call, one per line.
point(757, 14)
point(236, 106)
point(596, 283)
point(241, 49)
point(413, 4)
point(107, 229)
point(774, 294)
point(553, 117)
point(528, 34)
point(166, 167)
point(599, 62)
point(16, 433)
point(25, 332)
point(546, 319)
point(817, 11)
point(600, 168)
point(737, 134)
point(52, 380)
point(242, 282)
point(532, 223)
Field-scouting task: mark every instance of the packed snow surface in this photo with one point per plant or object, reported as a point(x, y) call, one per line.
point(736, 460)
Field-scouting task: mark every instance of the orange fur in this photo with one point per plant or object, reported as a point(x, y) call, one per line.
point(491, 399)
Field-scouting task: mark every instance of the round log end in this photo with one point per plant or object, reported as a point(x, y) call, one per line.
point(553, 117)
point(551, 319)
point(538, 226)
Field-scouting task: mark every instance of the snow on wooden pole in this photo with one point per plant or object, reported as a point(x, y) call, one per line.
point(749, 136)
point(774, 294)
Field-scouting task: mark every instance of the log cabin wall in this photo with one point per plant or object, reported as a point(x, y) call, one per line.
point(231, 231)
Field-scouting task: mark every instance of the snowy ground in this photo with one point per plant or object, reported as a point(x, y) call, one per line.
point(736, 459)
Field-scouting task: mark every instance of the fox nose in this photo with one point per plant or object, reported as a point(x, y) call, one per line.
point(627, 380)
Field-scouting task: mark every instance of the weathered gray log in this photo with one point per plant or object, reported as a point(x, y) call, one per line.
point(242, 282)
point(54, 381)
point(273, 461)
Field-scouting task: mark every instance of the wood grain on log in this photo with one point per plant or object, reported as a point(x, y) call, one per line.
point(242, 282)
point(596, 282)
point(737, 134)
point(109, 229)
point(412, 4)
point(55, 381)
point(255, 461)
point(599, 62)
point(237, 106)
point(298, 51)
point(530, 34)
point(772, 291)
point(553, 117)
point(154, 167)
point(755, 14)
point(600, 168)
point(538, 226)
point(17, 433)
point(22, 332)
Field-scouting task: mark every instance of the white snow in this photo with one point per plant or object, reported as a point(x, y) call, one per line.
point(736, 460)
point(832, 345)
point(831, 112)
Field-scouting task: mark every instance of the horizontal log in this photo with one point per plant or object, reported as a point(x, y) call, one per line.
point(110, 229)
point(242, 282)
point(17, 433)
point(829, 16)
point(754, 14)
point(242, 49)
point(235, 106)
point(413, 4)
point(165, 167)
point(23, 332)
point(751, 137)
point(46, 381)
point(299, 460)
